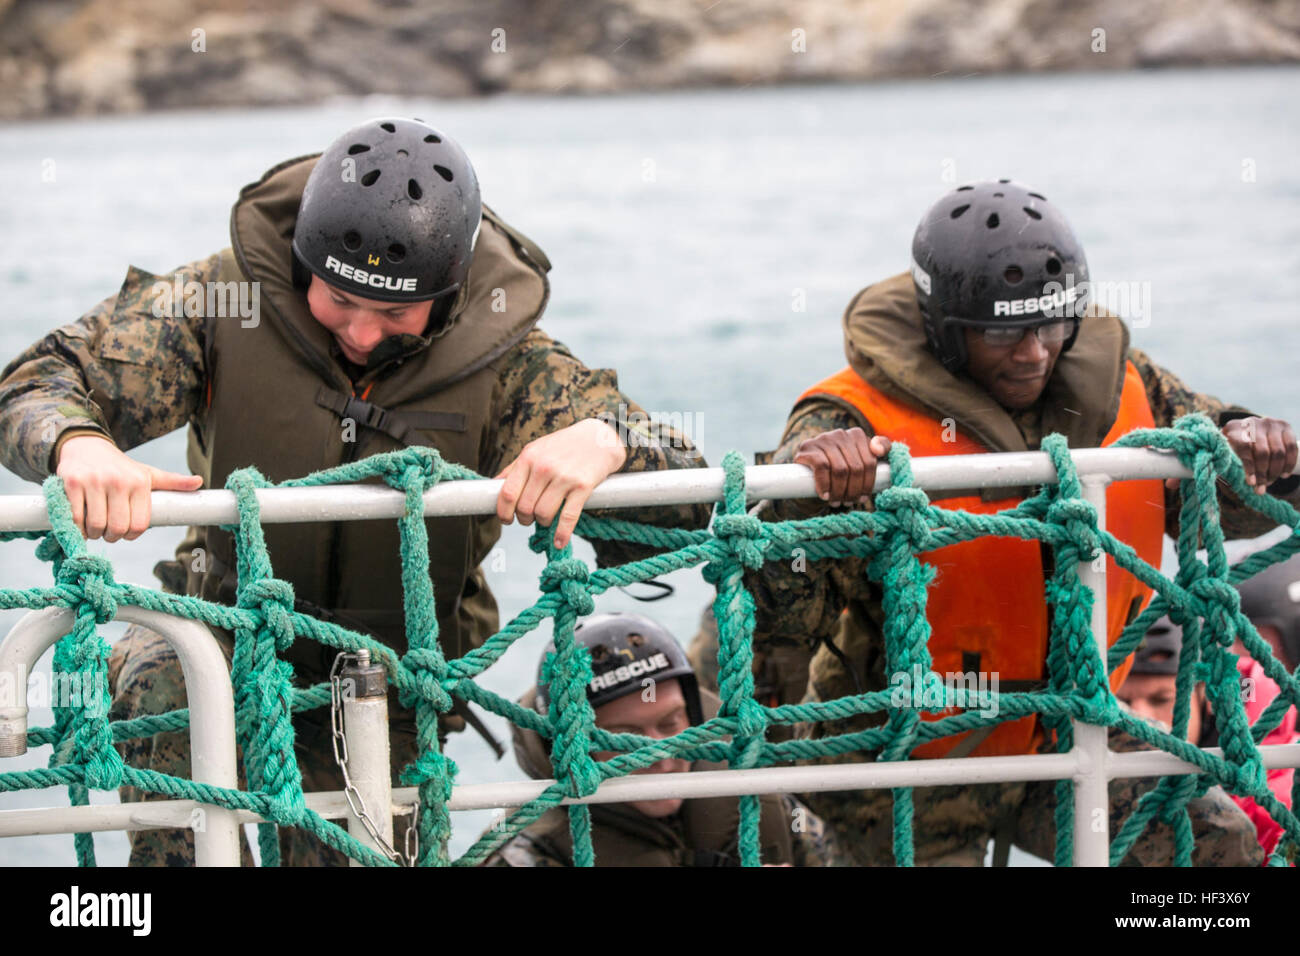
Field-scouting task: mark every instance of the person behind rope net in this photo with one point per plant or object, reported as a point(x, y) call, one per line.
point(1151, 691)
point(988, 343)
point(390, 308)
point(643, 684)
point(1271, 599)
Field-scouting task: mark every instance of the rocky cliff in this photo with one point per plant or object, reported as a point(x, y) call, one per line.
point(97, 56)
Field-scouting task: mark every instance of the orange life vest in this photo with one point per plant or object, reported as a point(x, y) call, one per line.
point(987, 606)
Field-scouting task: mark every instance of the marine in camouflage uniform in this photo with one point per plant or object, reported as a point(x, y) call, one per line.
point(834, 602)
point(124, 372)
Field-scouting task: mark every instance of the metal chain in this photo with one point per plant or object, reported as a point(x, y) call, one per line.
point(356, 803)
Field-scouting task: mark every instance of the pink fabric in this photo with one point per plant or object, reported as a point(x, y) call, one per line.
point(1279, 781)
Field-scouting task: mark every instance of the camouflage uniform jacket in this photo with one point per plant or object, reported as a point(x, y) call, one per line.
point(76, 379)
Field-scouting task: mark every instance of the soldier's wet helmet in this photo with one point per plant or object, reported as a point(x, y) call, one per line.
point(1160, 648)
point(995, 254)
point(391, 212)
point(626, 650)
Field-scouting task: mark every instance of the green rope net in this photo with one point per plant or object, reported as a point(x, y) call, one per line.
point(904, 523)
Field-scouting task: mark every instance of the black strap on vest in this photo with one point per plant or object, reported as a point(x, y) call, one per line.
point(400, 426)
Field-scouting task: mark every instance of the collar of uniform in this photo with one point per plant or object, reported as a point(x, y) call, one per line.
point(505, 294)
point(885, 343)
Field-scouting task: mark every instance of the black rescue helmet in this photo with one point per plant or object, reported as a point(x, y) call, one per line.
point(994, 253)
point(391, 212)
point(1273, 597)
point(625, 650)
point(1158, 653)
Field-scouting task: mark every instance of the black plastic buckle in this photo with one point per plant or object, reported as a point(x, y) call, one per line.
point(365, 413)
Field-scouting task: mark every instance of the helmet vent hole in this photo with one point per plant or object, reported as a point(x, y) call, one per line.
point(636, 640)
point(413, 189)
point(432, 139)
point(1033, 213)
point(352, 240)
point(370, 178)
point(388, 126)
point(402, 154)
point(358, 148)
point(396, 252)
point(599, 653)
point(1004, 180)
point(997, 195)
point(1037, 196)
point(962, 189)
point(443, 171)
point(992, 221)
point(956, 213)
point(1053, 266)
point(1013, 274)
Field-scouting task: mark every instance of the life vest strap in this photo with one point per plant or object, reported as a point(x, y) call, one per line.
point(400, 426)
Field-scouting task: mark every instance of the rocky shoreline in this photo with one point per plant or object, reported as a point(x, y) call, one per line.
point(82, 57)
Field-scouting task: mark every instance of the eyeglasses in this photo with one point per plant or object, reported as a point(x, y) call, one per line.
point(1049, 333)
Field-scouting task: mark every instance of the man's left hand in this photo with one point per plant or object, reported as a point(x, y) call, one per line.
point(1266, 447)
point(560, 469)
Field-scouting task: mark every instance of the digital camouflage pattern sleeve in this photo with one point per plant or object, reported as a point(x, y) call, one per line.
point(95, 376)
point(545, 388)
point(803, 605)
point(806, 604)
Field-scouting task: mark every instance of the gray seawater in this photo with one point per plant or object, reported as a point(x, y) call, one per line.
point(685, 228)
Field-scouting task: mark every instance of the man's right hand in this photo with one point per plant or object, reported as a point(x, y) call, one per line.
point(843, 463)
point(109, 492)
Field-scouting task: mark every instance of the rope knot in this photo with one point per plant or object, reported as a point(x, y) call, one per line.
point(274, 598)
point(433, 766)
point(1196, 435)
point(743, 535)
point(103, 765)
point(1218, 597)
point(751, 719)
point(908, 507)
point(1078, 519)
point(92, 575)
point(417, 465)
point(746, 755)
point(569, 576)
point(428, 667)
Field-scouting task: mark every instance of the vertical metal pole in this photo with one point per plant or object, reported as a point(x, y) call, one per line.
point(1091, 748)
point(367, 772)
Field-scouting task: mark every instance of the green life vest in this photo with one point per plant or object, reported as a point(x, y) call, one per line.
point(281, 402)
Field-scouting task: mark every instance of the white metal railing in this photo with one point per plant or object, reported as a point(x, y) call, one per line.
point(1090, 763)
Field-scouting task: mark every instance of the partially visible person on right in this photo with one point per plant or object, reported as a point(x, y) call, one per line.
point(1271, 599)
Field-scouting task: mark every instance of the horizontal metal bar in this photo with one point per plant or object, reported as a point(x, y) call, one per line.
point(682, 486)
point(159, 814)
